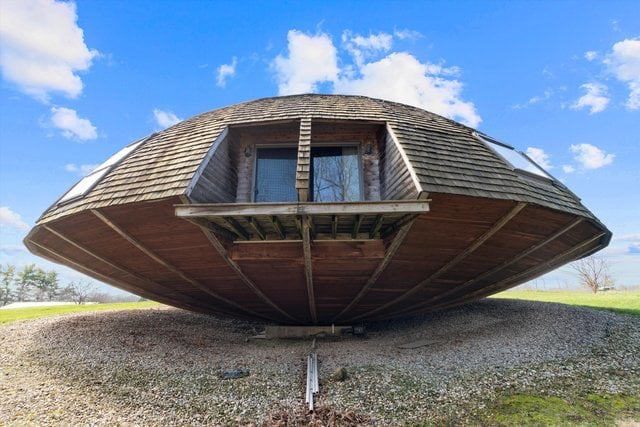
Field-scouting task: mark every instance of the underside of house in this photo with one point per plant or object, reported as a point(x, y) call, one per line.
point(317, 209)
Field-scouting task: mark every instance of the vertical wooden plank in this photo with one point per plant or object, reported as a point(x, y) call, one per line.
point(377, 224)
point(334, 226)
point(277, 226)
point(304, 160)
point(308, 268)
point(257, 227)
point(356, 227)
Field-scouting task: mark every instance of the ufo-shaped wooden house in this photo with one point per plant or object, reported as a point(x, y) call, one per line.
point(317, 209)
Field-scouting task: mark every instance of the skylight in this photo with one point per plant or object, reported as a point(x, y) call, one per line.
point(516, 159)
point(91, 180)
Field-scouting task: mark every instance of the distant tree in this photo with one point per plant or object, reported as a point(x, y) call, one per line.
point(46, 285)
point(77, 292)
point(593, 273)
point(25, 283)
point(7, 279)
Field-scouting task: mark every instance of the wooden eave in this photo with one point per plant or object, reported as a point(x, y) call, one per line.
point(286, 221)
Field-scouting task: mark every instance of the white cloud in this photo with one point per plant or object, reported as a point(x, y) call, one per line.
point(42, 48)
point(548, 93)
point(624, 63)
point(407, 34)
point(72, 126)
point(225, 71)
point(591, 157)
point(82, 169)
point(165, 119)
point(590, 55)
point(10, 219)
point(395, 76)
point(595, 99)
point(568, 169)
point(311, 60)
point(539, 156)
point(361, 48)
point(401, 77)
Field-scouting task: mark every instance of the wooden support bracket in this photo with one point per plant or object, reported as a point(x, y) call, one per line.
point(277, 226)
point(257, 227)
point(308, 268)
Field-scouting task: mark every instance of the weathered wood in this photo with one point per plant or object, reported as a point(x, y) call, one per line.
point(406, 219)
point(334, 226)
point(308, 268)
point(356, 226)
point(100, 258)
point(202, 222)
point(304, 159)
point(469, 283)
point(257, 227)
point(399, 179)
point(215, 179)
point(390, 253)
point(459, 257)
point(268, 209)
point(533, 271)
point(57, 257)
point(277, 226)
point(236, 227)
point(377, 224)
point(168, 265)
point(245, 279)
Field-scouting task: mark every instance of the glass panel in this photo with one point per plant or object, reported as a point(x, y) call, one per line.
point(89, 181)
point(276, 175)
point(120, 154)
point(85, 184)
point(335, 174)
point(518, 160)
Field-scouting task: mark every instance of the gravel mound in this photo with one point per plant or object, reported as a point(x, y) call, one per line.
point(164, 366)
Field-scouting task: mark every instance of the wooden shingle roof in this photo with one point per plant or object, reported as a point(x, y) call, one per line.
point(445, 155)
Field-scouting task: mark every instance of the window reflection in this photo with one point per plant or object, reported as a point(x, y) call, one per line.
point(335, 174)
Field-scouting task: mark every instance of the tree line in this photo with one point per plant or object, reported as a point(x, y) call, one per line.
point(32, 283)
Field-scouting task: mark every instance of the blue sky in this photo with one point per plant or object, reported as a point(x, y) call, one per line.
point(559, 80)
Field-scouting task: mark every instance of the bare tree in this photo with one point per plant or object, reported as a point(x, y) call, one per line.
point(78, 291)
point(593, 273)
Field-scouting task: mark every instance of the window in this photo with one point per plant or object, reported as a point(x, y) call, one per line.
point(335, 174)
point(515, 158)
point(92, 179)
point(276, 174)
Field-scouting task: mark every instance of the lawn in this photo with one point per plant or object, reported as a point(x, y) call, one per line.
point(618, 301)
point(15, 314)
point(575, 407)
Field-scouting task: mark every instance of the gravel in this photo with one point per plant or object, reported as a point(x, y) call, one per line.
point(164, 366)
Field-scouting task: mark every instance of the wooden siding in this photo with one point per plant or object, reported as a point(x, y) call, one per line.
point(395, 178)
point(303, 167)
point(218, 181)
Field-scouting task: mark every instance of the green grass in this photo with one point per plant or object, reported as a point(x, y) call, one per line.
point(627, 302)
point(540, 410)
point(15, 314)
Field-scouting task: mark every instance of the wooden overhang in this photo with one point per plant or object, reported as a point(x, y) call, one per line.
point(286, 221)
